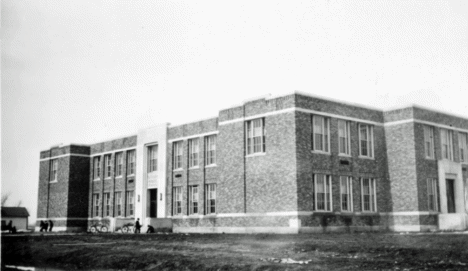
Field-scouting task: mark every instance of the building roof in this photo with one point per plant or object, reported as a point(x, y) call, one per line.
point(14, 212)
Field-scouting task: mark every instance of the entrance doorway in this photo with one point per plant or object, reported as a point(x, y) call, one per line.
point(153, 202)
point(450, 188)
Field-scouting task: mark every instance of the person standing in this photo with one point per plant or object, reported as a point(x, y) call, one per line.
point(10, 226)
point(137, 226)
point(51, 225)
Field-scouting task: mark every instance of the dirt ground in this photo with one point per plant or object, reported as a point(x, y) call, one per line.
point(358, 251)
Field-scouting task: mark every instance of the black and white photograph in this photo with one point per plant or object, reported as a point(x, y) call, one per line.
point(234, 135)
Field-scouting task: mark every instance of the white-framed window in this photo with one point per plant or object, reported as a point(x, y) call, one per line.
point(210, 156)
point(463, 143)
point(346, 192)
point(210, 196)
point(177, 201)
point(193, 199)
point(130, 202)
point(97, 167)
point(255, 132)
point(53, 170)
point(368, 195)
point(130, 163)
point(194, 148)
point(344, 138)
point(118, 203)
point(107, 205)
point(177, 154)
point(446, 139)
point(118, 164)
point(95, 205)
point(432, 195)
point(366, 140)
point(320, 133)
point(153, 158)
point(429, 141)
point(322, 192)
point(108, 166)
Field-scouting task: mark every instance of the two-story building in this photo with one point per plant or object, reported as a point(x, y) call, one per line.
point(288, 164)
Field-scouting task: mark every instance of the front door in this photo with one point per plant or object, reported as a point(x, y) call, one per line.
point(153, 202)
point(449, 186)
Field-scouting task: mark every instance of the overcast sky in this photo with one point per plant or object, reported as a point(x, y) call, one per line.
point(87, 71)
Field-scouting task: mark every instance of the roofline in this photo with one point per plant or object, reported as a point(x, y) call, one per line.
point(425, 108)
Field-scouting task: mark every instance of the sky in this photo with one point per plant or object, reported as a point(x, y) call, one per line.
point(88, 71)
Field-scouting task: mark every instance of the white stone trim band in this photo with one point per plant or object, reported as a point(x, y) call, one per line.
point(192, 136)
point(298, 109)
point(398, 122)
point(64, 155)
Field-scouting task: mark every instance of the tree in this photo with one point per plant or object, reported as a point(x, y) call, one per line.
point(5, 198)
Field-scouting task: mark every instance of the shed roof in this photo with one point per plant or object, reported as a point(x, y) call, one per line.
point(14, 212)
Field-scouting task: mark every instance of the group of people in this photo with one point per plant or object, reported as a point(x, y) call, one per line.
point(138, 227)
point(10, 227)
point(45, 225)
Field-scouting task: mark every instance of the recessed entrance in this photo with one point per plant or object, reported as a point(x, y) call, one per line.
point(153, 202)
point(450, 189)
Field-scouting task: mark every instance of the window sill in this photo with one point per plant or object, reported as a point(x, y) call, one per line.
point(177, 169)
point(366, 157)
point(322, 211)
point(256, 154)
point(107, 178)
point(95, 180)
point(212, 165)
point(53, 182)
point(197, 167)
point(344, 155)
point(430, 158)
point(119, 177)
point(131, 175)
point(321, 152)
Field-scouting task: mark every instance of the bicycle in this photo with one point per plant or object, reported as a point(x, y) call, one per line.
point(128, 228)
point(98, 227)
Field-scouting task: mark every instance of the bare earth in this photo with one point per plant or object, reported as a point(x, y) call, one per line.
point(358, 251)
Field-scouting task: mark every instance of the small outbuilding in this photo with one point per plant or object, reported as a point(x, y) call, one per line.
point(18, 217)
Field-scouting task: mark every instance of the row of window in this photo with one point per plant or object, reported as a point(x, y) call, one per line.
point(322, 194)
point(131, 165)
point(446, 141)
point(194, 207)
point(321, 137)
point(194, 152)
point(118, 203)
point(322, 199)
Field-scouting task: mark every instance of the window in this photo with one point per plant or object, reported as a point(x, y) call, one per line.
point(193, 200)
point(53, 170)
point(447, 144)
point(95, 205)
point(130, 163)
point(255, 136)
point(366, 140)
point(322, 192)
point(210, 196)
point(320, 132)
point(368, 193)
point(107, 204)
point(344, 140)
point(118, 164)
point(177, 154)
point(346, 191)
point(118, 203)
point(210, 157)
point(177, 201)
point(463, 143)
point(153, 158)
point(193, 152)
point(130, 203)
point(108, 166)
point(432, 195)
point(429, 141)
point(97, 167)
